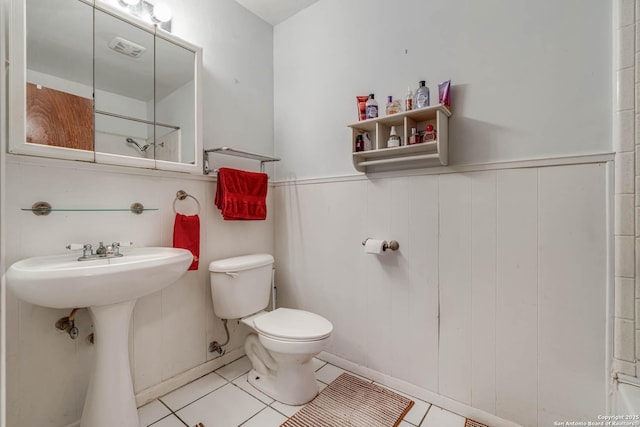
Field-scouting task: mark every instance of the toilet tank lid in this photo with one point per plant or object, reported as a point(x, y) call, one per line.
point(240, 263)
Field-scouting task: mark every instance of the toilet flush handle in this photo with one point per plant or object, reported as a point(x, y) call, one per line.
point(232, 274)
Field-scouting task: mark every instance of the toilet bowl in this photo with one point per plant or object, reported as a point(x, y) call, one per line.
point(281, 350)
point(283, 342)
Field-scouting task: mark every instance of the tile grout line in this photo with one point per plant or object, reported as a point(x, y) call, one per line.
point(270, 405)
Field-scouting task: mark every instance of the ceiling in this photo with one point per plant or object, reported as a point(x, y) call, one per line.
point(275, 11)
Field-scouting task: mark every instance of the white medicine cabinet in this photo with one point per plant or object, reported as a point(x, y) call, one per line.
point(381, 157)
point(89, 82)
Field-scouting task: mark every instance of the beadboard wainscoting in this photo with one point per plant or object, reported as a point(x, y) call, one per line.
point(171, 329)
point(497, 297)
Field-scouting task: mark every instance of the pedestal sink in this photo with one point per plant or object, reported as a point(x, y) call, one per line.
point(109, 288)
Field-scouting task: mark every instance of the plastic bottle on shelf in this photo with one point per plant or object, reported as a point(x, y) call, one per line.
point(359, 146)
point(393, 107)
point(394, 139)
point(421, 98)
point(430, 133)
point(414, 138)
point(367, 144)
point(408, 101)
point(372, 107)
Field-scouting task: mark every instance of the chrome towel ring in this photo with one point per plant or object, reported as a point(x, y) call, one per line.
point(181, 195)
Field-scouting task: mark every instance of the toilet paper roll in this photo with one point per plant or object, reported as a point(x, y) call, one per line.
point(373, 246)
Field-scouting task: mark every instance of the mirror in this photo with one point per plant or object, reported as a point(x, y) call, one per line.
point(175, 103)
point(124, 67)
point(102, 86)
point(59, 98)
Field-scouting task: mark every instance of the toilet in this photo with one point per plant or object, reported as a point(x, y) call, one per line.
point(283, 342)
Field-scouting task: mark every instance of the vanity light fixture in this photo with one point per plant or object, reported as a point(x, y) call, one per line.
point(161, 13)
point(156, 14)
point(129, 3)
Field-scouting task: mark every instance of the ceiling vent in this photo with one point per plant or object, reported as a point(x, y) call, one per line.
point(127, 47)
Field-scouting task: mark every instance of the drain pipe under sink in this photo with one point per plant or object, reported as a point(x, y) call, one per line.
point(67, 324)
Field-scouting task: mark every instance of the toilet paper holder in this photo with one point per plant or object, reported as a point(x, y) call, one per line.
point(393, 245)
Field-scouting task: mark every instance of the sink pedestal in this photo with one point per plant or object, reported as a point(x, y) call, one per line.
point(110, 288)
point(110, 400)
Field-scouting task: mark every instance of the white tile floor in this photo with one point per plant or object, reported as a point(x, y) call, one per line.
point(224, 398)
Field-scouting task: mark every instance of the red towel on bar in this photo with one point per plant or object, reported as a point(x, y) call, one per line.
point(186, 235)
point(241, 194)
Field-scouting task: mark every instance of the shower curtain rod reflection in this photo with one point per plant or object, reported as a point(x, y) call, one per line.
point(149, 122)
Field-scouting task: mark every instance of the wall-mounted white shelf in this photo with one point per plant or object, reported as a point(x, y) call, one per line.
point(432, 153)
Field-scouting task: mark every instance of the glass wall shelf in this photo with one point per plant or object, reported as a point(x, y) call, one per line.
point(45, 208)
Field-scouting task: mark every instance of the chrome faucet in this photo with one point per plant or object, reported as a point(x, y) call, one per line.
point(102, 251)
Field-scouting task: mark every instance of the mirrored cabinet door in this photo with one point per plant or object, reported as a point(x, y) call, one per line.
point(90, 82)
point(59, 97)
point(124, 89)
point(175, 107)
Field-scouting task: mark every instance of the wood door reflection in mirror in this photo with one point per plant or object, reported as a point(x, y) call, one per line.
point(58, 118)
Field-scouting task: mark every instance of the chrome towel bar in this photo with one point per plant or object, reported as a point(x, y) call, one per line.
point(236, 153)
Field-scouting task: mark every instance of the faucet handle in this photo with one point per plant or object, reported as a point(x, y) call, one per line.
point(87, 252)
point(117, 245)
point(74, 246)
point(115, 249)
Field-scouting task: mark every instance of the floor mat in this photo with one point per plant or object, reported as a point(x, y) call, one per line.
point(352, 402)
point(471, 423)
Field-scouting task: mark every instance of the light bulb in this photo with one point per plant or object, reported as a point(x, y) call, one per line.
point(162, 12)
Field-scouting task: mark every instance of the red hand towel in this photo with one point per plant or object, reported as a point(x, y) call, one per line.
point(186, 235)
point(241, 195)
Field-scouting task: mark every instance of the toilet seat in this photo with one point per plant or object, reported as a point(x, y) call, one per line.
point(288, 324)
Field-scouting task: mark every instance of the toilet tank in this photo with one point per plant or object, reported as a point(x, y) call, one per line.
point(240, 286)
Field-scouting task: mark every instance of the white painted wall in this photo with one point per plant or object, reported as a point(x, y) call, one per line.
point(3, 180)
point(238, 72)
point(496, 297)
point(47, 372)
point(530, 79)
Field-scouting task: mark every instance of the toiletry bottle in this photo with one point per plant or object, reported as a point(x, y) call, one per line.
point(430, 133)
point(359, 143)
point(367, 142)
point(408, 101)
point(414, 138)
point(393, 107)
point(372, 107)
point(422, 95)
point(394, 139)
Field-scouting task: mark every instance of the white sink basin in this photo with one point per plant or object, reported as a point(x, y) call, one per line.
point(61, 281)
point(109, 288)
